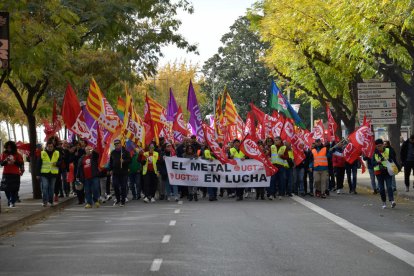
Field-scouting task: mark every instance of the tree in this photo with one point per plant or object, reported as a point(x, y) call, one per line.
point(238, 66)
point(55, 41)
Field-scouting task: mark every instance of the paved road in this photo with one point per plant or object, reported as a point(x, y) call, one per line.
point(221, 238)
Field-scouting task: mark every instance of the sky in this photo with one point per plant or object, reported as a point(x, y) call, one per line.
point(209, 22)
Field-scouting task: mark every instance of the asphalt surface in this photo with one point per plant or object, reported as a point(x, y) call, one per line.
point(214, 238)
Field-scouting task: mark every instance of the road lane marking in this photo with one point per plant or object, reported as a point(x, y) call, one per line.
point(156, 264)
point(173, 222)
point(166, 239)
point(177, 211)
point(388, 247)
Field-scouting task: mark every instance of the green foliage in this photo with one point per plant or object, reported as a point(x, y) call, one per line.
point(237, 66)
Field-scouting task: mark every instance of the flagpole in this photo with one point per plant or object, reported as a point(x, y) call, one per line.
point(311, 115)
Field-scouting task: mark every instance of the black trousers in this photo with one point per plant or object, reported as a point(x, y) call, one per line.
point(239, 192)
point(340, 176)
point(120, 184)
point(408, 167)
point(150, 184)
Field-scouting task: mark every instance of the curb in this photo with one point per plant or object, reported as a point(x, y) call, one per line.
point(30, 219)
point(400, 194)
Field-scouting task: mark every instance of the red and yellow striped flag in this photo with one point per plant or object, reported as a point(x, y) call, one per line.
point(230, 111)
point(100, 109)
point(133, 128)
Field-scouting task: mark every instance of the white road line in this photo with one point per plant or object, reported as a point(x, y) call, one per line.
point(388, 247)
point(177, 211)
point(173, 222)
point(156, 264)
point(166, 239)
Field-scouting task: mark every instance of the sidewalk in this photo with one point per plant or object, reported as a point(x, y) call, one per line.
point(29, 210)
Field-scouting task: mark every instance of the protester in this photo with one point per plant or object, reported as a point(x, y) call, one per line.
point(191, 154)
point(171, 191)
point(308, 178)
point(77, 151)
point(370, 167)
point(289, 166)
point(278, 157)
point(319, 166)
point(12, 161)
point(47, 171)
point(338, 163)
point(88, 173)
point(351, 175)
point(212, 191)
point(380, 159)
point(393, 156)
point(407, 159)
point(118, 167)
point(236, 153)
point(150, 173)
point(299, 175)
point(135, 174)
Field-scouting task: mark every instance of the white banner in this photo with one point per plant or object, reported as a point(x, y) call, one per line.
point(205, 173)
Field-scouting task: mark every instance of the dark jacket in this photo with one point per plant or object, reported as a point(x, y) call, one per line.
point(404, 151)
point(94, 166)
point(115, 162)
point(161, 164)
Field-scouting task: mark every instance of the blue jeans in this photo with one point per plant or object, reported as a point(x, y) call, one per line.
point(91, 187)
point(394, 183)
point(212, 192)
point(352, 182)
point(387, 180)
point(298, 176)
point(135, 184)
point(120, 183)
point(271, 190)
point(281, 182)
point(372, 177)
point(48, 188)
point(11, 197)
point(169, 189)
point(289, 180)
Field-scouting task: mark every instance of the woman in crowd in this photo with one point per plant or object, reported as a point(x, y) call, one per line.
point(12, 161)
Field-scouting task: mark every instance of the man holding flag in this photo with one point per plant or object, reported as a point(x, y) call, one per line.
point(118, 166)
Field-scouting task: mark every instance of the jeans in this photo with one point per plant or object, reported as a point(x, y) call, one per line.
point(340, 176)
point(47, 187)
point(102, 186)
point(65, 183)
point(271, 190)
point(135, 184)
point(289, 180)
point(91, 187)
point(11, 197)
point(352, 182)
point(170, 190)
point(298, 179)
point(393, 183)
point(280, 180)
point(372, 177)
point(387, 180)
point(212, 192)
point(120, 182)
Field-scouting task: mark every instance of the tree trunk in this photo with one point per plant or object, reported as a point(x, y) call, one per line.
point(33, 141)
point(14, 132)
point(8, 129)
point(21, 127)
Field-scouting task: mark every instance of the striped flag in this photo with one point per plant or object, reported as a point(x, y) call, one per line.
point(100, 109)
point(230, 111)
point(133, 128)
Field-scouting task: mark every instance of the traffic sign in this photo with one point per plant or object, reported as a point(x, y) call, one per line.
point(377, 103)
point(379, 113)
point(376, 85)
point(365, 94)
point(389, 121)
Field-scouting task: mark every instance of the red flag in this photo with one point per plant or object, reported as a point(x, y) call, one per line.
point(179, 124)
point(298, 147)
point(319, 132)
point(362, 142)
point(363, 167)
point(260, 115)
point(288, 130)
point(214, 146)
point(332, 126)
point(273, 125)
point(252, 150)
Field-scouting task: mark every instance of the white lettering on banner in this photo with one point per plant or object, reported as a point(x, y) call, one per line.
point(205, 173)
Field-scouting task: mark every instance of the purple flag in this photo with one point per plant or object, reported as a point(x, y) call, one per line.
point(195, 115)
point(172, 107)
point(92, 124)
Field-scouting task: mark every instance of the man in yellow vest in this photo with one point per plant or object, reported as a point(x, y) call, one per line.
point(212, 191)
point(278, 157)
point(319, 165)
point(150, 173)
point(48, 169)
point(236, 153)
point(379, 161)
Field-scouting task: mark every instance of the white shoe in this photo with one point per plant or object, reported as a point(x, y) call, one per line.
point(271, 197)
point(384, 205)
point(108, 197)
point(393, 204)
point(152, 200)
point(126, 200)
point(246, 194)
point(146, 200)
point(338, 191)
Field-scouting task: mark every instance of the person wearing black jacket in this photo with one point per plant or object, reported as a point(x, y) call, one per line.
point(407, 160)
point(88, 173)
point(118, 167)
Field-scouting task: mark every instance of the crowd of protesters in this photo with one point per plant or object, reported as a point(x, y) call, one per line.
point(64, 168)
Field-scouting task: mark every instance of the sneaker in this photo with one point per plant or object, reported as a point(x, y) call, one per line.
point(97, 205)
point(52, 205)
point(246, 194)
point(152, 200)
point(271, 197)
point(122, 205)
point(393, 204)
point(88, 206)
point(323, 195)
point(146, 200)
point(338, 191)
point(12, 205)
point(116, 203)
point(44, 204)
point(126, 200)
point(108, 197)
point(384, 205)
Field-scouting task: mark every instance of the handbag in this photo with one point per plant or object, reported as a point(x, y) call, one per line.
point(78, 185)
point(391, 168)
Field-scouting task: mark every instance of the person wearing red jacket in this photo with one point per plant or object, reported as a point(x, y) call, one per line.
point(13, 163)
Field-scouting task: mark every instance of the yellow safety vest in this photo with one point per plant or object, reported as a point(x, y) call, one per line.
point(236, 154)
point(275, 155)
point(207, 154)
point(154, 162)
point(386, 154)
point(47, 166)
point(291, 156)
